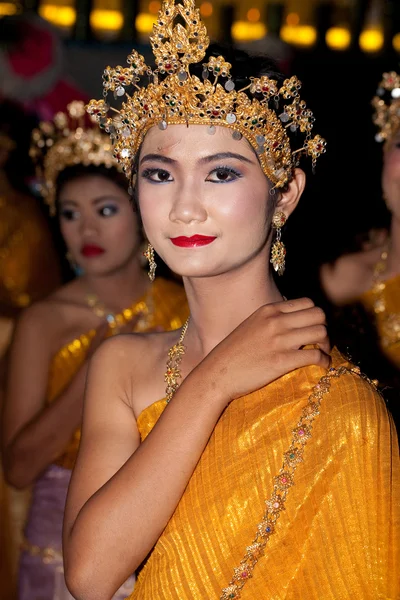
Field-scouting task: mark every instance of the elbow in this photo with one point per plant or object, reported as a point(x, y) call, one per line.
point(90, 576)
point(83, 579)
point(81, 582)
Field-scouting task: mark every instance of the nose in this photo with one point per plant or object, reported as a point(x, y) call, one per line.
point(188, 205)
point(88, 225)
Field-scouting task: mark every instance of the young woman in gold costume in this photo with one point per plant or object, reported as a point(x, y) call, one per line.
point(271, 470)
point(55, 337)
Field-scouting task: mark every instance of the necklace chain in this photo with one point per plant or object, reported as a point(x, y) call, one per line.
point(100, 310)
point(173, 372)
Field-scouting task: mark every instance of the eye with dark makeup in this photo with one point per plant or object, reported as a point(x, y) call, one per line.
point(218, 175)
point(108, 210)
point(156, 175)
point(224, 175)
point(68, 214)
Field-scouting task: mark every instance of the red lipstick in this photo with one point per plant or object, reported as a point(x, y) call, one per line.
point(193, 242)
point(91, 250)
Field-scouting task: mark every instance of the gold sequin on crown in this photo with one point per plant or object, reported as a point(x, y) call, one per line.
point(65, 142)
point(170, 94)
point(386, 105)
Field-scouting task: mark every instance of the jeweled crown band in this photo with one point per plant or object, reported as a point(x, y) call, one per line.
point(265, 113)
point(386, 105)
point(64, 142)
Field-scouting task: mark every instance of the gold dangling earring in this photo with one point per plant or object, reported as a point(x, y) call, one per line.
point(149, 254)
point(278, 251)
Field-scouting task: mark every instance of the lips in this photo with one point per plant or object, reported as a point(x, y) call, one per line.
point(91, 250)
point(194, 241)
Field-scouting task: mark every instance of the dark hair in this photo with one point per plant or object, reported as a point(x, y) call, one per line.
point(78, 171)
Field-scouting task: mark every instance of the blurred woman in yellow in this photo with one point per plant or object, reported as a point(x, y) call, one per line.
point(55, 337)
point(371, 277)
point(272, 470)
point(29, 270)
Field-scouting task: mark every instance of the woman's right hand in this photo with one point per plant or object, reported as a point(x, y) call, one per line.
point(267, 345)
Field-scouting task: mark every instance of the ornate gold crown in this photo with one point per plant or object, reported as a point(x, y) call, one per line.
point(387, 106)
point(170, 94)
point(65, 142)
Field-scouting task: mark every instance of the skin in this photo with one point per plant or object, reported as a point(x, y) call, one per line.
point(241, 336)
point(92, 210)
point(352, 274)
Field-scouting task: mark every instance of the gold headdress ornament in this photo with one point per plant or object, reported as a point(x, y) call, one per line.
point(65, 142)
point(170, 94)
point(387, 106)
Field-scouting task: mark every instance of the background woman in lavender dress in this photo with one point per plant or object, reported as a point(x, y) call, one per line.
point(55, 337)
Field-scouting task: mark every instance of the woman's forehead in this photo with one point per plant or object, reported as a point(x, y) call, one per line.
point(193, 140)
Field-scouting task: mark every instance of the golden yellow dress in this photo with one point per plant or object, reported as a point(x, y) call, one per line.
point(41, 568)
point(383, 303)
point(328, 520)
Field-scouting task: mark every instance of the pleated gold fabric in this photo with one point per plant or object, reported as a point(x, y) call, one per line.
point(384, 307)
point(339, 535)
point(169, 310)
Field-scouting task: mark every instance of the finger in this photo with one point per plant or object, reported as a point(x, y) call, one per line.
point(298, 304)
point(303, 317)
point(306, 336)
point(312, 356)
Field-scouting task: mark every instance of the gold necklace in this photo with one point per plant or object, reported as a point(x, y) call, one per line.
point(175, 355)
point(100, 310)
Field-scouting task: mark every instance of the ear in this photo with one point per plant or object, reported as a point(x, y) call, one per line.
point(289, 199)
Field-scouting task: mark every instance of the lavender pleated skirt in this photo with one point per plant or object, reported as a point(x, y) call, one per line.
point(41, 573)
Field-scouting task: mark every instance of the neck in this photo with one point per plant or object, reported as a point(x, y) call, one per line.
point(393, 262)
point(119, 289)
point(219, 304)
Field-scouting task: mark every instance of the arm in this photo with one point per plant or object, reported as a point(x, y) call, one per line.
point(138, 486)
point(35, 434)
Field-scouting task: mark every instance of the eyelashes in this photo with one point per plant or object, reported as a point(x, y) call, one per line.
point(150, 175)
point(108, 210)
point(68, 215)
point(222, 174)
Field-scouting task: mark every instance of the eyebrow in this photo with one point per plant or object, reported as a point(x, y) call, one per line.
point(95, 201)
point(159, 157)
point(223, 155)
point(204, 160)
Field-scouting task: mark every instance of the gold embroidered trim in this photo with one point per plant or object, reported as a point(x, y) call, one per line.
point(282, 483)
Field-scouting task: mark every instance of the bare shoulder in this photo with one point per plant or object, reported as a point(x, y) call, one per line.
point(136, 362)
point(49, 314)
point(349, 276)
